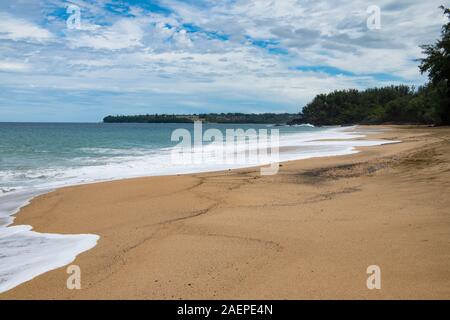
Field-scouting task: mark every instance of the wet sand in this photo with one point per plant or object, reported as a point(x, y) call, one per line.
point(309, 232)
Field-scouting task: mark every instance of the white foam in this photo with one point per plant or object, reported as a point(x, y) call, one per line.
point(25, 254)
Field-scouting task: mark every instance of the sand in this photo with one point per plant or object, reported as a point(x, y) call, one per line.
point(309, 232)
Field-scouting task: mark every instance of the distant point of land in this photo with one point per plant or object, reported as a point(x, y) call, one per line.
point(260, 118)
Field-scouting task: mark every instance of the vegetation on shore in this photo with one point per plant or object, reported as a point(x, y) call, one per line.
point(394, 104)
point(263, 118)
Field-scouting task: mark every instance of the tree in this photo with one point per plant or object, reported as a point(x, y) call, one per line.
point(437, 64)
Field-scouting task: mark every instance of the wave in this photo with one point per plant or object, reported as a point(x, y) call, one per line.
point(308, 125)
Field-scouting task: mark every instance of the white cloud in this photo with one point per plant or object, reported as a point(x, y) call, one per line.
point(157, 54)
point(182, 38)
point(13, 28)
point(125, 33)
point(332, 33)
point(9, 66)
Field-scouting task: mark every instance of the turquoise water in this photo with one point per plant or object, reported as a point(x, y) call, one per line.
point(33, 154)
point(28, 146)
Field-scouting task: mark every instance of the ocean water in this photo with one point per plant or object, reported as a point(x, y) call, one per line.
point(36, 158)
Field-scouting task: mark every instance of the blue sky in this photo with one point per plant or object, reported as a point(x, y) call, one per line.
point(169, 56)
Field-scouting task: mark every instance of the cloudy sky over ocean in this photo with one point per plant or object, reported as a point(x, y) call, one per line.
point(168, 56)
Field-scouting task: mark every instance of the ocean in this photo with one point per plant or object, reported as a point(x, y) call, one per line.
point(36, 158)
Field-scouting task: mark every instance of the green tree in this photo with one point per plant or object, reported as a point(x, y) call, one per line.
point(437, 64)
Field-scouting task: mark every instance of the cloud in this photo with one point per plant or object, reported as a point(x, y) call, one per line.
point(125, 33)
point(232, 55)
point(17, 29)
point(9, 66)
point(301, 37)
point(182, 38)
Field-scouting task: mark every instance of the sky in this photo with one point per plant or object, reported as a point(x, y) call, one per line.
point(193, 56)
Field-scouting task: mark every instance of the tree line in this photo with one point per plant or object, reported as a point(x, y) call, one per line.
point(263, 118)
point(392, 104)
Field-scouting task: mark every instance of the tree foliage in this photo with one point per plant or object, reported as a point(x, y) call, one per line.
point(437, 64)
point(395, 104)
point(272, 118)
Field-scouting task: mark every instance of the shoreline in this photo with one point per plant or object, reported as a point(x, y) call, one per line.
point(32, 194)
point(163, 214)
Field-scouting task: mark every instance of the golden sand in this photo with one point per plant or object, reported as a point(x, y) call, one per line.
point(310, 231)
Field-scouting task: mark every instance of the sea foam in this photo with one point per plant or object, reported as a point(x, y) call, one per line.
point(25, 254)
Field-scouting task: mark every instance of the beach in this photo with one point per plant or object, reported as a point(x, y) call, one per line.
point(308, 232)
